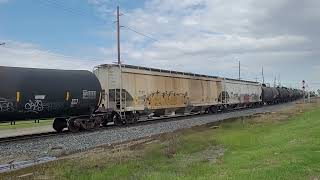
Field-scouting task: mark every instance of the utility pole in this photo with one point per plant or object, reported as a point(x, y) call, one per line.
point(118, 34)
point(119, 62)
point(239, 71)
point(304, 92)
point(262, 75)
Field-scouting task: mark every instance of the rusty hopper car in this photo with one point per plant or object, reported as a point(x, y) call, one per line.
point(240, 93)
point(133, 91)
point(33, 93)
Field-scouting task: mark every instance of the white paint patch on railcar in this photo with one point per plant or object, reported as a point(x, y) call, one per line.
point(239, 92)
point(40, 97)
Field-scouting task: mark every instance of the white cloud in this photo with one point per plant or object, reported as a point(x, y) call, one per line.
point(210, 36)
point(20, 54)
point(102, 7)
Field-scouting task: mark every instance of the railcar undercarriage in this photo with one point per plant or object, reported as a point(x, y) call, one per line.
point(99, 119)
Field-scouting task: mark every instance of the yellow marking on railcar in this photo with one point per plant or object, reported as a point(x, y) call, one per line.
point(67, 96)
point(18, 96)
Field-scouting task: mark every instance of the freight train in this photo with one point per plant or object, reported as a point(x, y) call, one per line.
point(123, 94)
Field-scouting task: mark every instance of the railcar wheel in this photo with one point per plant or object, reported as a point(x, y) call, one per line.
point(105, 120)
point(96, 125)
point(136, 118)
point(59, 124)
point(117, 120)
point(213, 109)
point(72, 126)
point(131, 118)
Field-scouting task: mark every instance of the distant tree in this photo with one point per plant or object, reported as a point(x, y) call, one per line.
point(319, 92)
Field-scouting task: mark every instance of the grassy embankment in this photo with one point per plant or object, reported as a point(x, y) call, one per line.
point(271, 146)
point(25, 124)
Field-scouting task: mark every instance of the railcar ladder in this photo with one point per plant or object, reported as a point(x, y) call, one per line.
point(122, 102)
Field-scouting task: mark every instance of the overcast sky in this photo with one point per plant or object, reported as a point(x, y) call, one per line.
point(201, 36)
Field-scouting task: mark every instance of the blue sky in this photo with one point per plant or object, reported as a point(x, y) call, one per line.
point(66, 27)
point(201, 36)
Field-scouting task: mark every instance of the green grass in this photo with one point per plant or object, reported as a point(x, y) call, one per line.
point(253, 150)
point(25, 124)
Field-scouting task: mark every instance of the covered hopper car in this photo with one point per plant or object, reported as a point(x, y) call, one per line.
point(241, 93)
point(133, 91)
point(138, 90)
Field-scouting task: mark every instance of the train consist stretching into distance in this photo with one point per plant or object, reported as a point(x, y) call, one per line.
point(123, 94)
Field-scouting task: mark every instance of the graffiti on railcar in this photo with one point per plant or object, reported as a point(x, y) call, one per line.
point(247, 98)
point(34, 106)
point(233, 97)
point(224, 97)
point(6, 105)
point(166, 99)
point(255, 97)
point(53, 106)
point(40, 106)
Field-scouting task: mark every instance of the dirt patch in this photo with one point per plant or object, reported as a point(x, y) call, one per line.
point(211, 155)
point(122, 151)
point(171, 145)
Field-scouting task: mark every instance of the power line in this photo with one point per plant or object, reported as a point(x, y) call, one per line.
point(140, 33)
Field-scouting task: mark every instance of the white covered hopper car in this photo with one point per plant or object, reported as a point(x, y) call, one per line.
point(242, 93)
point(133, 91)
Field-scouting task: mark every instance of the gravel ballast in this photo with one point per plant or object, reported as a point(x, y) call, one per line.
point(70, 143)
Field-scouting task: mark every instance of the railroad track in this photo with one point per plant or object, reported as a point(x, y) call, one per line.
point(66, 132)
point(30, 136)
point(111, 126)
